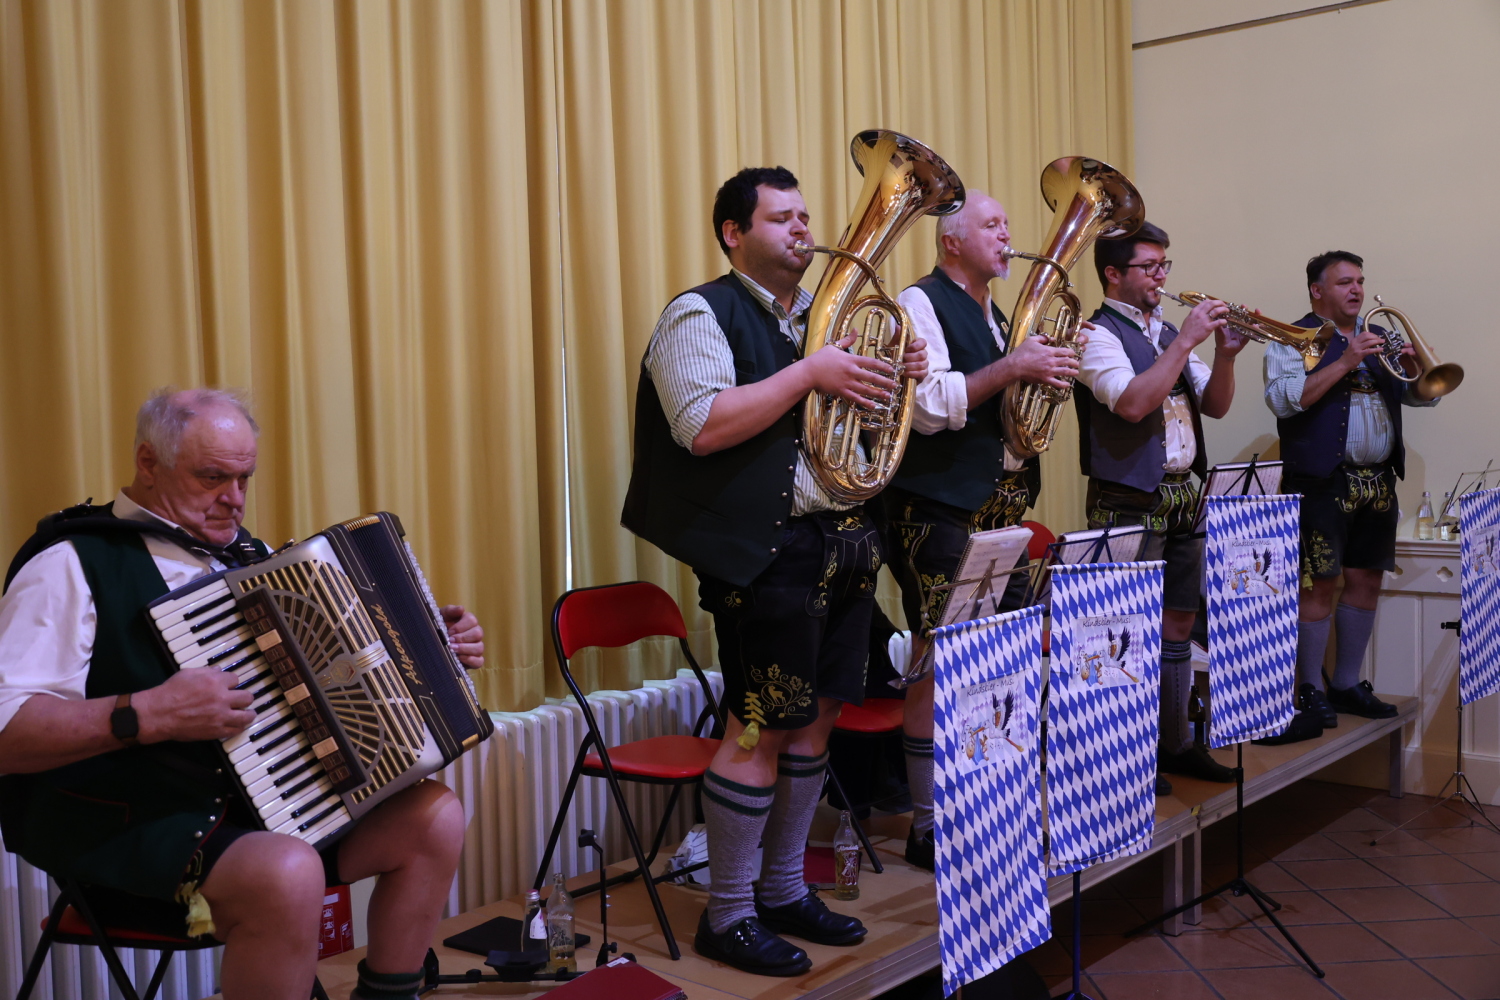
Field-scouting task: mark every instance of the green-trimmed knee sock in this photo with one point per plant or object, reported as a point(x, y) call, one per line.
point(799, 786)
point(736, 815)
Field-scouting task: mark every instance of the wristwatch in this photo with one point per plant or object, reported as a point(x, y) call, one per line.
point(124, 724)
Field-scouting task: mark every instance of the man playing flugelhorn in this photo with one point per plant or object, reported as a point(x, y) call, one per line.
point(1140, 397)
point(722, 482)
point(957, 476)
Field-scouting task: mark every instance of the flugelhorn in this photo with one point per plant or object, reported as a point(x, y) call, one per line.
point(1435, 378)
point(1310, 342)
point(904, 180)
point(1093, 201)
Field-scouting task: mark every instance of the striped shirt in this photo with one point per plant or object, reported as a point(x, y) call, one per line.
point(1371, 437)
point(690, 363)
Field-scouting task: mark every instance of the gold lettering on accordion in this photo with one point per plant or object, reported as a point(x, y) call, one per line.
point(408, 667)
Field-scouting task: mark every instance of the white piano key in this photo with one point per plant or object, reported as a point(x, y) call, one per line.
point(330, 824)
point(205, 654)
point(214, 632)
point(256, 774)
point(171, 612)
point(235, 745)
point(221, 613)
point(282, 816)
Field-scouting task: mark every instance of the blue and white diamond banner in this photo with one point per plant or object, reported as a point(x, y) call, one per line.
point(1102, 712)
point(1251, 569)
point(1479, 600)
point(991, 887)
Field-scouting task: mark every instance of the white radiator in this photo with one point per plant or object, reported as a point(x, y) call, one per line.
point(511, 787)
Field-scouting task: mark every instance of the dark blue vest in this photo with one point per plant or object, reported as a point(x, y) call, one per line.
point(722, 514)
point(1111, 447)
point(1312, 442)
point(961, 467)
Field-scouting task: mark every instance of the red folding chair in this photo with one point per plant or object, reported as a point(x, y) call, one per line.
point(619, 614)
point(1041, 538)
point(72, 921)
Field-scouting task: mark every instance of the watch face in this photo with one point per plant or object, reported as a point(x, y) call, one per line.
point(124, 723)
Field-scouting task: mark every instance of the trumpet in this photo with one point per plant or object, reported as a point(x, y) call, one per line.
point(1434, 378)
point(1310, 342)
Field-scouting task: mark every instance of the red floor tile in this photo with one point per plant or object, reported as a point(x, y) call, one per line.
point(1464, 899)
point(1487, 862)
point(1299, 908)
point(1224, 912)
point(1315, 847)
point(1147, 953)
point(1383, 903)
point(1153, 986)
point(1428, 869)
point(1462, 839)
point(1285, 982)
point(1393, 844)
point(1384, 981)
point(1352, 874)
point(1488, 926)
point(1416, 812)
point(1471, 978)
point(1342, 943)
point(1242, 948)
point(1434, 938)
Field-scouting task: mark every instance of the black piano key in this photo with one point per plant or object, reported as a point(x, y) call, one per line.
point(292, 791)
point(300, 810)
point(273, 744)
point(231, 651)
point(302, 765)
point(320, 817)
point(273, 686)
point(255, 736)
point(189, 616)
point(257, 709)
point(212, 637)
point(251, 680)
point(208, 622)
point(229, 668)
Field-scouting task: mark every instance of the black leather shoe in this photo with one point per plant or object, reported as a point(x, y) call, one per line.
point(1304, 726)
point(1194, 762)
point(1360, 700)
point(921, 850)
point(750, 947)
point(1163, 786)
point(1311, 699)
point(811, 920)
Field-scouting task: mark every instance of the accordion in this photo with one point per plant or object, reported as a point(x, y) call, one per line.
point(356, 690)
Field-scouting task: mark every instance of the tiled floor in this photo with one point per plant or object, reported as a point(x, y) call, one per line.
point(1413, 917)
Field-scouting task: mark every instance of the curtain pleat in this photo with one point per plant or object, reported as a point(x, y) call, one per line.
point(432, 239)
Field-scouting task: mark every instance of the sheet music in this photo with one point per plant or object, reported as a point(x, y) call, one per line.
point(983, 572)
point(1092, 545)
point(1252, 478)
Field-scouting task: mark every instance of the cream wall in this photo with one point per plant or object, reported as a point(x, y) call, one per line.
point(1373, 130)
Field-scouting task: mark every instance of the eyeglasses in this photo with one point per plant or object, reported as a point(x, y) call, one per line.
point(1164, 266)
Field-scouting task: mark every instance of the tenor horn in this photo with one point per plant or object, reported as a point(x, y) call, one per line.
point(904, 180)
point(1093, 201)
point(1434, 378)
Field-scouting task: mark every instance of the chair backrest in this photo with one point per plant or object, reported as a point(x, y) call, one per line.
point(1041, 537)
point(615, 614)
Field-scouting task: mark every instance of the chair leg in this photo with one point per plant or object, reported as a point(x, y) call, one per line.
point(859, 830)
point(39, 957)
point(158, 975)
point(640, 857)
point(562, 817)
point(666, 821)
point(318, 993)
point(111, 957)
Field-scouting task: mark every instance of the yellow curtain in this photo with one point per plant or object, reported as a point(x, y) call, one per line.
point(432, 237)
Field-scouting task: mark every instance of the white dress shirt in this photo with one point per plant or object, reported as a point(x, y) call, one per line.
point(690, 363)
point(942, 399)
point(47, 618)
point(1371, 436)
point(1107, 371)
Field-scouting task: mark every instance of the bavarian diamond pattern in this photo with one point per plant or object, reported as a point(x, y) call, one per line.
point(1101, 739)
point(991, 886)
point(1251, 568)
point(1479, 603)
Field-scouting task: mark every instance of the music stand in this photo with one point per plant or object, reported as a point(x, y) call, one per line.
point(1093, 545)
point(1252, 478)
point(978, 586)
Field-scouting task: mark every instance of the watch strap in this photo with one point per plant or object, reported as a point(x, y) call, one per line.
point(124, 724)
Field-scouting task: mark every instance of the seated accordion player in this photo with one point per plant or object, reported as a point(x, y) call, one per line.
point(357, 692)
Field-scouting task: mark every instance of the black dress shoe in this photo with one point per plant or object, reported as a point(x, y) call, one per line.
point(1163, 786)
point(1304, 726)
point(1194, 762)
point(1310, 698)
point(921, 849)
point(1360, 700)
point(811, 920)
point(750, 947)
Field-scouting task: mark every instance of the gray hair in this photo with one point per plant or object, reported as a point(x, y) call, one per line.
point(957, 224)
point(161, 419)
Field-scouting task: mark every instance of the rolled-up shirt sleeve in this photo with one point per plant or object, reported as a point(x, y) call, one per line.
point(1285, 379)
point(942, 398)
point(1105, 368)
point(47, 626)
point(690, 363)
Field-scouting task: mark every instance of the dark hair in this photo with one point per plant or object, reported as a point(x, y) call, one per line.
point(1327, 259)
point(738, 197)
point(1117, 253)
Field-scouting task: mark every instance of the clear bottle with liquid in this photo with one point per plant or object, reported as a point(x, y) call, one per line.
point(1425, 531)
point(560, 956)
point(845, 860)
point(1447, 525)
point(534, 924)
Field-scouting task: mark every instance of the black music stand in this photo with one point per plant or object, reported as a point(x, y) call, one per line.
point(1463, 789)
point(1252, 478)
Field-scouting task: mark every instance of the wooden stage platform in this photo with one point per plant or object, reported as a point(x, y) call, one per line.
point(899, 906)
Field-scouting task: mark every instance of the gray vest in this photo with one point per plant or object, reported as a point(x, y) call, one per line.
point(1111, 447)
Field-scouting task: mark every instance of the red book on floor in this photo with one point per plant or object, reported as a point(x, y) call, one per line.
point(623, 979)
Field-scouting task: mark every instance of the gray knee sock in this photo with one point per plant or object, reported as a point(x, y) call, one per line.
point(919, 779)
point(1176, 733)
point(799, 786)
point(1312, 642)
point(736, 815)
point(1354, 626)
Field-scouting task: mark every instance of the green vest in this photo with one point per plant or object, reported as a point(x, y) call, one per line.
point(130, 819)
